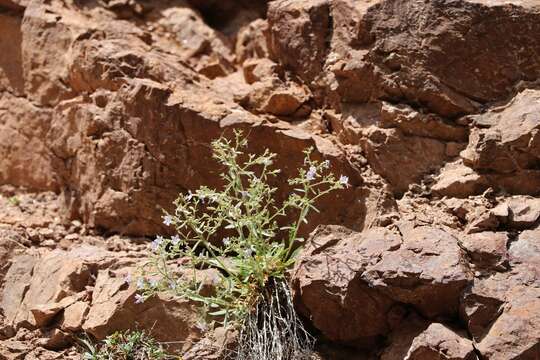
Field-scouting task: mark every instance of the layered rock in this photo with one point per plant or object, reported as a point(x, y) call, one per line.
point(85, 289)
point(122, 106)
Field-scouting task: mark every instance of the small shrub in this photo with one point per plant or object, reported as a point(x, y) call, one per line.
point(128, 345)
point(253, 260)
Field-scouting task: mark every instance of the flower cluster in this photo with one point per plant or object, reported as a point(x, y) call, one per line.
point(255, 245)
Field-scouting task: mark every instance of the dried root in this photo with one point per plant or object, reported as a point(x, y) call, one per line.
point(274, 331)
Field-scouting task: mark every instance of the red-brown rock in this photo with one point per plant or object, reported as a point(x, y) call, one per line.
point(350, 276)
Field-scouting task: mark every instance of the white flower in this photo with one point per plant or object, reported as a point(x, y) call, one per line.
point(326, 164)
point(172, 285)
point(127, 278)
point(344, 180)
point(175, 240)
point(244, 194)
point(168, 220)
point(310, 175)
point(153, 283)
point(226, 241)
point(156, 243)
point(139, 299)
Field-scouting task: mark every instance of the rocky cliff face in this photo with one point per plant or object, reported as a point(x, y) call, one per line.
point(431, 108)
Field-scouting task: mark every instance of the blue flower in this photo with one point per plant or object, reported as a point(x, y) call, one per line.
point(168, 220)
point(310, 175)
point(175, 240)
point(249, 251)
point(156, 243)
point(344, 180)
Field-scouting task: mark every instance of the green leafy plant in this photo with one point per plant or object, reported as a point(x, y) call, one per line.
point(14, 200)
point(257, 251)
point(128, 345)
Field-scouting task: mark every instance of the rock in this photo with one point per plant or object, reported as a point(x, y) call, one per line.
point(526, 248)
point(74, 316)
point(43, 314)
point(56, 340)
point(487, 249)
point(113, 308)
point(504, 139)
point(17, 5)
point(212, 346)
point(501, 312)
point(17, 137)
point(438, 339)
point(54, 278)
point(418, 340)
point(524, 212)
point(413, 123)
point(96, 118)
point(11, 243)
point(11, 77)
point(329, 291)
point(260, 69)
point(251, 41)
point(515, 334)
point(397, 55)
point(271, 92)
point(427, 271)
point(502, 145)
point(484, 220)
point(13, 350)
point(457, 180)
point(351, 276)
point(388, 149)
point(36, 289)
point(379, 50)
point(276, 98)
point(186, 33)
point(298, 32)
point(16, 284)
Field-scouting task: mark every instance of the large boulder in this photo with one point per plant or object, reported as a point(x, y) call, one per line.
point(385, 49)
point(419, 340)
point(363, 279)
point(501, 313)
